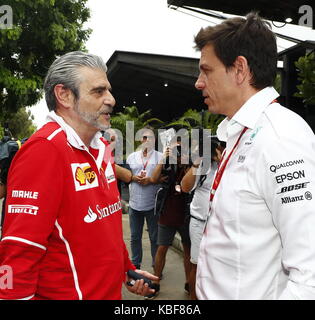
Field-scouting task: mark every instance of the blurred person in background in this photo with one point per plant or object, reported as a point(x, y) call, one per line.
point(198, 180)
point(171, 209)
point(142, 195)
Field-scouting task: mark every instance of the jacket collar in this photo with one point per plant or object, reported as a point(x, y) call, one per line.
point(75, 141)
point(249, 113)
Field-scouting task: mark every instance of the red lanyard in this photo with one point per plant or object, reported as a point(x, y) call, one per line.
point(145, 164)
point(221, 169)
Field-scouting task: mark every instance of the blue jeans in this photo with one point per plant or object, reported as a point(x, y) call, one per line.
point(136, 222)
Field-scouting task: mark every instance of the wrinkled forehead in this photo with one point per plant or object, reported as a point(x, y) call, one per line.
point(93, 77)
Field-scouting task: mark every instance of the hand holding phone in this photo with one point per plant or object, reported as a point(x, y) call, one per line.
point(137, 276)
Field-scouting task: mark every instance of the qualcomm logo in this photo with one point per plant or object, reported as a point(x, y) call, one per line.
point(91, 216)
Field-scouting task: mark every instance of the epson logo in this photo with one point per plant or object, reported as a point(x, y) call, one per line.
point(23, 208)
point(290, 176)
point(293, 187)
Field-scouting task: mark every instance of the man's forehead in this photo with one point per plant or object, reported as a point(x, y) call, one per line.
point(208, 57)
point(207, 51)
point(93, 74)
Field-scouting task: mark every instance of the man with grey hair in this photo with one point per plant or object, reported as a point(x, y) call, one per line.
point(62, 233)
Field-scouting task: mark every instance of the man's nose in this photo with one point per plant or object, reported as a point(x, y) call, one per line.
point(199, 84)
point(109, 99)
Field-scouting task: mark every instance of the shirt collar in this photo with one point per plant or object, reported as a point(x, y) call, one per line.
point(74, 139)
point(249, 113)
point(148, 153)
point(72, 136)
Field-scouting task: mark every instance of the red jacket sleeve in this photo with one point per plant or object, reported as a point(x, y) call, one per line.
point(33, 197)
point(128, 263)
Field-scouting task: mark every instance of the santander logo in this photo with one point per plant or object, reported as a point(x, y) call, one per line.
point(102, 212)
point(91, 216)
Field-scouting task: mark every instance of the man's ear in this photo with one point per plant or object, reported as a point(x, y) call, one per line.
point(64, 96)
point(242, 70)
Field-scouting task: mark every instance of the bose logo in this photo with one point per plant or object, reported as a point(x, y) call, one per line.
point(23, 208)
point(293, 187)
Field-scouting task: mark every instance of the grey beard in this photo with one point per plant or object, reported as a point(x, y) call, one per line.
point(92, 118)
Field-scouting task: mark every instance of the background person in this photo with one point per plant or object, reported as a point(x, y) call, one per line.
point(8, 148)
point(115, 145)
point(259, 241)
point(200, 185)
point(172, 213)
point(142, 195)
point(63, 227)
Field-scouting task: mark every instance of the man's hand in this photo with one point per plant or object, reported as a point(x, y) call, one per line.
point(141, 180)
point(141, 288)
point(144, 180)
point(136, 179)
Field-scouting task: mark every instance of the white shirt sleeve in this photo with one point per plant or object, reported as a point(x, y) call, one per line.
point(285, 175)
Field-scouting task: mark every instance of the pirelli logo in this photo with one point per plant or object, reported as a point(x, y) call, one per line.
point(22, 208)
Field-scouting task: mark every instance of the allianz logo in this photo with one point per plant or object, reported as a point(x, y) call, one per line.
point(102, 212)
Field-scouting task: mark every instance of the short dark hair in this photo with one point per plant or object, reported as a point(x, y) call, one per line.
point(252, 38)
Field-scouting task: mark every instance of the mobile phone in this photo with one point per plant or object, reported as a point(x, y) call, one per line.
point(137, 276)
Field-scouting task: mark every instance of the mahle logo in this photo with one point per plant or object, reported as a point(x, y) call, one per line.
point(6, 277)
point(6, 17)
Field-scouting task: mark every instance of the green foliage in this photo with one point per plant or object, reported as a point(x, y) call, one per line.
point(306, 66)
point(193, 118)
point(189, 120)
point(20, 124)
point(119, 121)
point(42, 31)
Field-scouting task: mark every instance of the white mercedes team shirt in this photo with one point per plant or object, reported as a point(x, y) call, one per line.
point(259, 241)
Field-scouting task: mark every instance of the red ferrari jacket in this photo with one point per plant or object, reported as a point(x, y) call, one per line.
point(62, 234)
